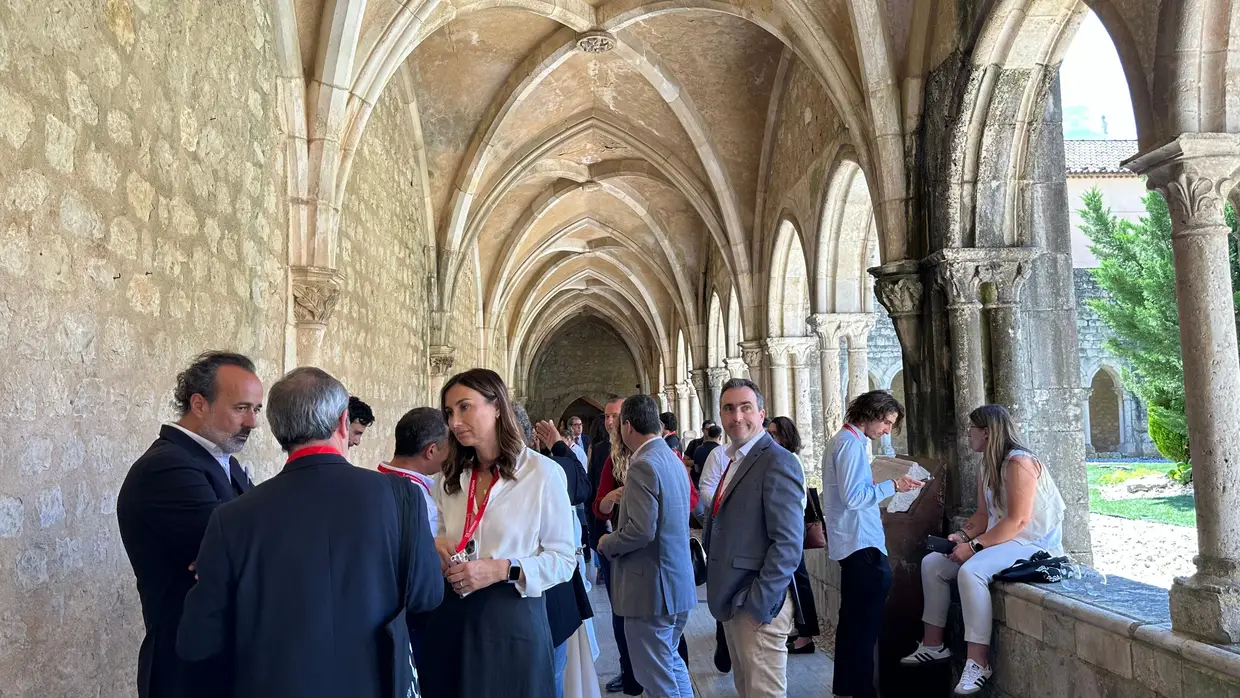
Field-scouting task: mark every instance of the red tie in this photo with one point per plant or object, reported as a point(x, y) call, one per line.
point(714, 509)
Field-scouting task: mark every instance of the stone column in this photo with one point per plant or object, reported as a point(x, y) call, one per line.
point(442, 358)
point(805, 367)
point(960, 282)
point(671, 397)
point(663, 401)
point(683, 391)
point(752, 352)
point(857, 329)
point(827, 329)
point(1089, 437)
point(697, 389)
point(900, 290)
point(779, 398)
point(717, 377)
point(1196, 173)
point(1007, 275)
point(316, 290)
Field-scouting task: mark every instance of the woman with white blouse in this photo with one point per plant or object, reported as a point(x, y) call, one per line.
point(505, 535)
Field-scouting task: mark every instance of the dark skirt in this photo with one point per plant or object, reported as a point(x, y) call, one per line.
point(491, 644)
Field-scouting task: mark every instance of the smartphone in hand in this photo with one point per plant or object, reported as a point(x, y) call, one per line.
point(937, 544)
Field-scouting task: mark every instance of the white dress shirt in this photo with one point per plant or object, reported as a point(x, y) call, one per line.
point(578, 451)
point(712, 472)
point(736, 453)
point(425, 483)
point(528, 519)
point(220, 457)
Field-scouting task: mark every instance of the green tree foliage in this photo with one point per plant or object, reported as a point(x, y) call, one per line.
point(1137, 272)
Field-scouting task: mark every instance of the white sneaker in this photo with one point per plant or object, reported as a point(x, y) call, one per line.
point(972, 679)
point(925, 655)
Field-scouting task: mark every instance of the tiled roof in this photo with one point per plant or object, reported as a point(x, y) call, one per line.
point(1097, 157)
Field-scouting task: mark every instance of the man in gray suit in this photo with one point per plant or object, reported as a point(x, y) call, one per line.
point(753, 538)
point(652, 574)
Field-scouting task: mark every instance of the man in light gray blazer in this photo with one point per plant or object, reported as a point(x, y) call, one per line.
point(652, 573)
point(753, 537)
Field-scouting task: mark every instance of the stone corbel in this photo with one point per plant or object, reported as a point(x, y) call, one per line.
point(316, 290)
point(442, 359)
point(899, 288)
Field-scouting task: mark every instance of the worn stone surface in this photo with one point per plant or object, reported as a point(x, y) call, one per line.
point(107, 290)
point(585, 360)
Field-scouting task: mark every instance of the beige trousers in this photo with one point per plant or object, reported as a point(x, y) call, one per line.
point(760, 652)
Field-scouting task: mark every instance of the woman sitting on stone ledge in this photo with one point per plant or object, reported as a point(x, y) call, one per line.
point(1019, 513)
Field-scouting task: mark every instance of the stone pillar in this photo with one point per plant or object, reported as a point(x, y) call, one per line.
point(697, 388)
point(858, 332)
point(683, 419)
point(442, 359)
point(960, 282)
point(663, 401)
point(805, 369)
point(1006, 277)
point(1089, 437)
point(717, 377)
point(671, 397)
point(827, 329)
point(316, 290)
point(1196, 173)
point(779, 398)
point(752, 352)
point(900, 289)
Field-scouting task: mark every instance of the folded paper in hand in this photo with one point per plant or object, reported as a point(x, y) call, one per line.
point(887, 468)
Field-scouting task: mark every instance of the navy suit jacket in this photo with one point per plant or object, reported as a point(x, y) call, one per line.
point(162, 509)
point(298, 579)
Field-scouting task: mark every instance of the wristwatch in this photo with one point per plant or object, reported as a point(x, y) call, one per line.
point(514, 571)
point(977, 547)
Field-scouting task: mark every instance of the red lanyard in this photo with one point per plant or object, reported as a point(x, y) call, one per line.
point(472, 520)
point(714, 509)
point(311, 451)
point(421, 484)
point(853, 430)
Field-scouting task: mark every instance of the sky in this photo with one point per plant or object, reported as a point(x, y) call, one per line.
point(1093, 87)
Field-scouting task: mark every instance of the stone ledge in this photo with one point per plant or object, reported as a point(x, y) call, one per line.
point(1120, 654)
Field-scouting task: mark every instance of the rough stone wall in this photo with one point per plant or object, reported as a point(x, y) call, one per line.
point(376, 341)
point(584, 359)
point(141, 190)
point(463, 324)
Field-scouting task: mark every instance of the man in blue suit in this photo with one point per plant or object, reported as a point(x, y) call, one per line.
point(652, 573)
point(300, 579)
point(753, 538)
point(164, 504)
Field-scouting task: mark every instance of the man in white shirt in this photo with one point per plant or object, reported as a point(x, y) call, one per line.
point(421, 449)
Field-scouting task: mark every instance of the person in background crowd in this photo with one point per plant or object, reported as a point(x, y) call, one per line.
point(168, 497)
point(713, 467)
point(855, 537)
point(669, 432)
point(270, 595)
point(713, 440)
point(691, 449)
point(421, 449)
point(568, 605)
point(753, 538)
point(785, 433)
point(360, 417)
point(649, 551)
point(575, 429)
point(506, 535)
point(1019, 513)
point(599, 460)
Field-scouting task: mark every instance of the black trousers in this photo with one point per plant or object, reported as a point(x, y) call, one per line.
point(805, 602)
point(865, 579)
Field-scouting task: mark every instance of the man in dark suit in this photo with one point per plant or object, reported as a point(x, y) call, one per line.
point(577, 428)
point(165, 502)
point(299, 579)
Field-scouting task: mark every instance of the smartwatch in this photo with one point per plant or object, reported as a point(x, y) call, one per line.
point(514, 571)
point(977, 547)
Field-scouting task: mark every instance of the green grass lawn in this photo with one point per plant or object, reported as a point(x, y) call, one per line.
point(1171, 510)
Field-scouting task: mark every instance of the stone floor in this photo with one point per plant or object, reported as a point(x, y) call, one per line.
point(809, 676)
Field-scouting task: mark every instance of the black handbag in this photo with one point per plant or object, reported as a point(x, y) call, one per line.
point(1040, 568)
point(698, 555)
point(404, 677)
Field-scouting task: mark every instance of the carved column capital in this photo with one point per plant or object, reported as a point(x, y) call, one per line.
point(672, 392)
point(697, 378)
point(960, 281)
point(961, 271)
point(804, 351)
point(898, 287)
point(778, 349)
point(1194, 173)
point(752, 351)
point(735, 366)
point(718, 376)
point(316, 290)
point(442, 358)
point(1007, 274)
point(857, 326)
point(827, 327)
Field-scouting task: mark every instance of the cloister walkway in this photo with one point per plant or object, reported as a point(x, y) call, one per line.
point(809, 676)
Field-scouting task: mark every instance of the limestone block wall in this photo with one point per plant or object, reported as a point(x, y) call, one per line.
point(585, 359)
point(463, 324)
point(142, 221)
point(376, 341)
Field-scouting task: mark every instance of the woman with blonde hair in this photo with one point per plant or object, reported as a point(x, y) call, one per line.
point(1019, 512)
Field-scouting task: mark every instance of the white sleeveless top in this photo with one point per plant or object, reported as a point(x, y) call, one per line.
point(1045, 529)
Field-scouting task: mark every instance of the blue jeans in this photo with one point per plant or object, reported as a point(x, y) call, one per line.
point(561, 663)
